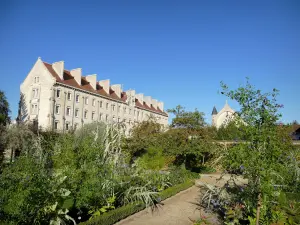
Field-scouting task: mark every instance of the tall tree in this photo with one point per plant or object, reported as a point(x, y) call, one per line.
point(4, 110)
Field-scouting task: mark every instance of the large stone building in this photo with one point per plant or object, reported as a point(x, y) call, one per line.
point(223, 117)
point(63, 99)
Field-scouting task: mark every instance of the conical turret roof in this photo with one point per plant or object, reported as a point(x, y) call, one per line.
point(214, 111)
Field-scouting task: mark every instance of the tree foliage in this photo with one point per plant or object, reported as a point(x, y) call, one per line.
point(185, 119)
point(267, 159)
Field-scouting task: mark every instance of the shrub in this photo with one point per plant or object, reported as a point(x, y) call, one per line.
point(118, 214)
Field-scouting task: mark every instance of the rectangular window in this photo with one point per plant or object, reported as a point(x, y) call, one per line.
point(56, 125)
point(85, 114)
point(124, 109)
point(119, 120)
point(77, 98)
point(35, 93)
point(113, 107)
point(107, 105)
point(76, 112)
point(114, 119)
point(93, 115)
point(94, 102)
point(69, 96)
point(100, 116)
point(86, 100)
point(57, 109)
point(106, 118)
point(34, 109)
point(58, 93)
point(119, 108)
point(68, 111)
point(129, 111)
point(100, 104)
point(138, 113)
point(67, 126)
point(75, 126)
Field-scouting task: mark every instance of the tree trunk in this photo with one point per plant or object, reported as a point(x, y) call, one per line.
point(258, 208)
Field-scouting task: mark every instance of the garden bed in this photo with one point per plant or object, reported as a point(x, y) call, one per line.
point(118, 214)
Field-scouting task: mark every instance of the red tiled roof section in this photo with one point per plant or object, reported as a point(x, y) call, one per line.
point(85, 85)
point(145, 106)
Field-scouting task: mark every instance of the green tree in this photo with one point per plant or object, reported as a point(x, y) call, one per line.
point(184, 119)
point(4, 110)
point(266, 159)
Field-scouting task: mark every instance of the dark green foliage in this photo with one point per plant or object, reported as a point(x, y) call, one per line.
point(4, 110)
point(121, 213)
point(185, 119)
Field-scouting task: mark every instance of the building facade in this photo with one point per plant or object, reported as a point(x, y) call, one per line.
point(60, 99)
point(223, 117)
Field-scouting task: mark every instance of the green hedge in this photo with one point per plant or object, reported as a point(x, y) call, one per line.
point(118, 214)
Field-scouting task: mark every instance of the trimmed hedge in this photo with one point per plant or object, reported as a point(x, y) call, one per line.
point(118, 214)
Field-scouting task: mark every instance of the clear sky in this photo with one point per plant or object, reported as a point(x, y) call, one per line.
point(175, 51)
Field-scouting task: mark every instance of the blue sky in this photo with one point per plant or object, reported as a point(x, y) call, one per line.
point(175, 51)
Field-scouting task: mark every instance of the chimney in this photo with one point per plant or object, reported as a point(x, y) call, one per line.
point(105, 85)
point(148, 100)
point(140, 97)
point(93, 80)
point(76, 73)
point(160, 105)
point(59, 68)
point(117, 89)
point(154, 103)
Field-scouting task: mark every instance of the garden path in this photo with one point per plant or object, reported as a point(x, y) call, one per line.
point(177, 210)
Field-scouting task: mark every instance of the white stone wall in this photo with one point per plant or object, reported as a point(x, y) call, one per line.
point(97, 108)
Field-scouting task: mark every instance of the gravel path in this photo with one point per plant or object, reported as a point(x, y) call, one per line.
point(177, 210)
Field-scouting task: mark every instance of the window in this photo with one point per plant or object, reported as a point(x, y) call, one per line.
point(106, 118)
point(124, 109)
point(57, 109)
point(94, 102)
point(100, 104)
point(35, 93)
point(77, 98)
point(85, 114)
point(129, 111)
point(56, 125)
point(119, 108)
point(114, 119)
point(100, 116)
point(68, 111)
point(75, 126)
point(58, 93)
point(86, 100)
point(107, 105)
point(113, 107)
point(36, 80)
point(67, 126)
point(69, 96)
point(76, 112)
point(34, 109)
point(93, 115)
point(119, 120)
point(138, 113)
